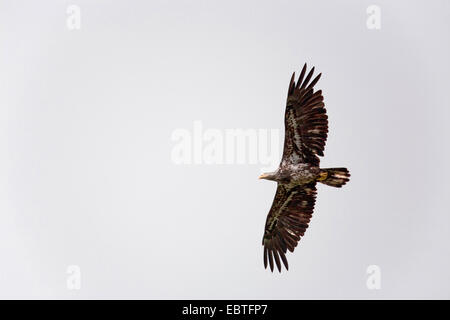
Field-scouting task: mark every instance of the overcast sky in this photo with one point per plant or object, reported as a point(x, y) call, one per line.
point(93, 204)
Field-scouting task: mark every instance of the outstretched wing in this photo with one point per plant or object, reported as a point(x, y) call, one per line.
point(287, 221)
point(306, 121)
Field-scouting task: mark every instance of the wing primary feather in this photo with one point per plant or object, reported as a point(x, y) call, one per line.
point(300, 78)
point(277, 260)
point(305, 95)
point(314, 81)
point(281, 241)
point(308, 77)
point(265, 257)
point(291, 84)
point(270, 258)
point(285, 262)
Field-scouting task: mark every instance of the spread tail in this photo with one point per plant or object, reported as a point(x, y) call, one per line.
point(335, 177)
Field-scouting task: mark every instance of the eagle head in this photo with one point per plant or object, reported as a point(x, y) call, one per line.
point(269, 176)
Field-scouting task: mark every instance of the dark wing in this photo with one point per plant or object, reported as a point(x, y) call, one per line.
point(306, 122)
point(287, 221)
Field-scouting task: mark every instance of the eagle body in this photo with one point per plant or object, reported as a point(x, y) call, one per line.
point(296, 174)
point(306, 130)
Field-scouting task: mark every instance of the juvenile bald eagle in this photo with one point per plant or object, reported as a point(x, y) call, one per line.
point(306, 128)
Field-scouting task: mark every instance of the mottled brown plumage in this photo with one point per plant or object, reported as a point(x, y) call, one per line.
point(306, 130)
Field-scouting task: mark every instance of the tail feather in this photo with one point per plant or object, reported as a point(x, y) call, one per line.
point(335, 177)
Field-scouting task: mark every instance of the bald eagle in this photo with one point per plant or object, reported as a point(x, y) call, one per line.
point(306, 129)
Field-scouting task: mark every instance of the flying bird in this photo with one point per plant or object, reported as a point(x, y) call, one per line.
point(306, 129)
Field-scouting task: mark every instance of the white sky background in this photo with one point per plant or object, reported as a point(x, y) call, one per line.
point(86, 176)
